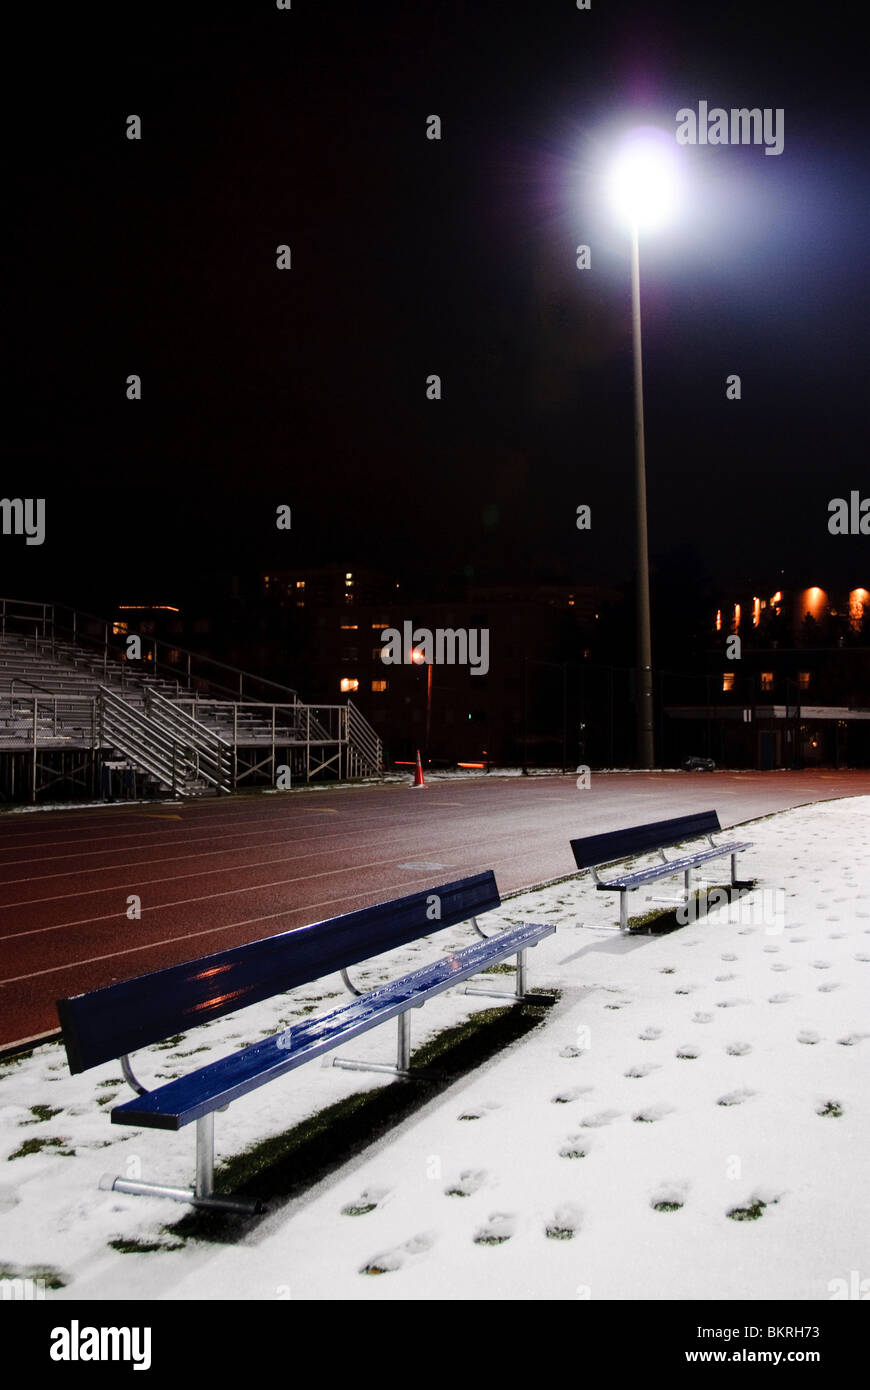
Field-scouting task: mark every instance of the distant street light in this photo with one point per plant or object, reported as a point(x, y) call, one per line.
point(643, 186)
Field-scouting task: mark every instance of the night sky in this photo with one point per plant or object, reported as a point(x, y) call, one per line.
point(410, 257)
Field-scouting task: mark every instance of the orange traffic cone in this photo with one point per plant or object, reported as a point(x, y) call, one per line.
point(418, 775)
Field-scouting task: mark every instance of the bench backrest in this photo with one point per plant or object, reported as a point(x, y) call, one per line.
point(110, 1022)
point(594, 850)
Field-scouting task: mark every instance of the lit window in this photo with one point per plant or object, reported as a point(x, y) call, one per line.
point(349, 627)
point(767, 680)
point(718, 619)
point(379, 627)
point(379, 686)
point(804, 680)
point(736, 616)
point(756, 612)
point(300, 583)
point(349, 683)
point(348, 576)
point(728, 680)
point(118, 629)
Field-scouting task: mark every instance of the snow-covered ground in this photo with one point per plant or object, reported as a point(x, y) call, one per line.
point(719, 1069)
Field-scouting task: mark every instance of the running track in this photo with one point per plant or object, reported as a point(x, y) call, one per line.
point(214, 874)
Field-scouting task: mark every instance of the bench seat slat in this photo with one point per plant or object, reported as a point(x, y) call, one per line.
point(675, 866)
point(188, 1098)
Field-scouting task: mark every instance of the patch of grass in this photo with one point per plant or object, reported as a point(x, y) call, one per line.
point(750, 1212)
point(170, 1042)
point(358, 1208)
point(831, 1107)
point(195, 1049)
point(667, 1206)
point(115, 1081)
point(560, 1233)
point(50, 1277)
point(490, 1240)
point(35, 1146)
point(282, 1167)
point(107, 1100)
point(502, 969)
point(40, 1113)
point(132, 1246)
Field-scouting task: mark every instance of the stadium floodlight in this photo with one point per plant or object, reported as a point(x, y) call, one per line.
point(644, 181)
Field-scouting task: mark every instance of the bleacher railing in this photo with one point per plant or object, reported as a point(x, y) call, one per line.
point(52, 625)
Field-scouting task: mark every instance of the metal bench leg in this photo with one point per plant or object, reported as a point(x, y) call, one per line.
point(521, 975)
point(202, 1194)
point(733, 870)
point(687, 881)
point(403, 1054)
point(204, 1157)
point(623, 911)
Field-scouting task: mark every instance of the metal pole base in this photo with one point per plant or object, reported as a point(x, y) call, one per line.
point(387, 1068)
point(512, 998)
point(179, 1194)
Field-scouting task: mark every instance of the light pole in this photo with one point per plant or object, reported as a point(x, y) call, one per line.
point(643, 190)
point(644, 697)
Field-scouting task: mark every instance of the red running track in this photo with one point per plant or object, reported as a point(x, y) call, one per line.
point(214, 874)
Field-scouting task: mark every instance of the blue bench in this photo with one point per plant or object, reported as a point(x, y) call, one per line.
point(596, 852)
point(115, 1021)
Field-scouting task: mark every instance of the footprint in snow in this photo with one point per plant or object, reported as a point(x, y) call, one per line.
point(702, 1018)
point(392, 1260)
point(565, 1097)
point(687, 1053)
point(671, 1196)
point(851, 1039)
point(600, 1119)
point(652, 1113)
point(738, 1049)
point(863, 958)
point(366, 1202)
point(499, 1228)
point(643, 1069)
point(782, 998)
point(729, 955)
point(771, 950)
point(572, 1051)
point(828, 987)
point(650, 1034)
point(736, 1097)
point(576, 1146)
point(467, 1183)
point(821, 964)
point(778, 965)
point(808, 1036)
point(565, 1224)
point(723, 979)
point(731, 1003)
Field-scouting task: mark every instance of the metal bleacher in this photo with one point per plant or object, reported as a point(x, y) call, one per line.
point(74, 710)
